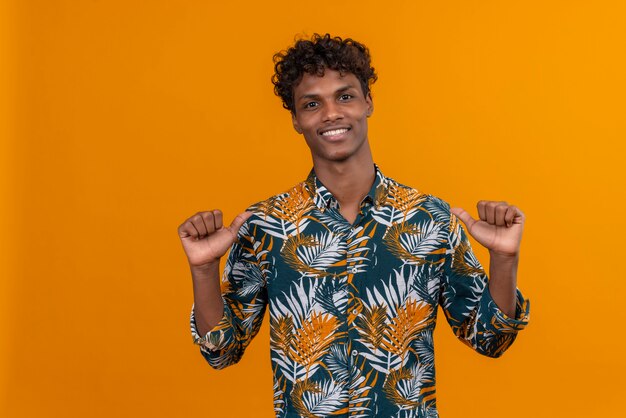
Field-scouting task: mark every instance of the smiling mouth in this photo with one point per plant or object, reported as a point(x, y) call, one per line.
point(335, 133)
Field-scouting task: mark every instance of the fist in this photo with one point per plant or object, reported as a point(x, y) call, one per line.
point(499, 228)
point(204, 237)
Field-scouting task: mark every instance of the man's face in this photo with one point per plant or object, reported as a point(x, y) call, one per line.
point(331, 112)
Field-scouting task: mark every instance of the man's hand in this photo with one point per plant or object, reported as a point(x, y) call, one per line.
point(205, 239)
point(499, 228)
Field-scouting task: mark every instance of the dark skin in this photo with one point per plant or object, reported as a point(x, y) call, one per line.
point(342, 162)
point(331, 113)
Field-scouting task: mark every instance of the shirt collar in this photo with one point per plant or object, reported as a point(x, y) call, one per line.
point(324, 199)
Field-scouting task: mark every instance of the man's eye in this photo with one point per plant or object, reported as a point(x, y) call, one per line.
point(345, 96)
point(310, 105)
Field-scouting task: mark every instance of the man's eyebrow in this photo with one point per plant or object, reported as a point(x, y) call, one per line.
point(308, 96)
point(344, 88)
point(317, 96)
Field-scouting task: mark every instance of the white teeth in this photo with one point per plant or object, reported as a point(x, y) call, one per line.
point(334, 132)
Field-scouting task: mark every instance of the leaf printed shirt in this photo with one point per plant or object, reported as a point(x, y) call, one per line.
point(353, 306)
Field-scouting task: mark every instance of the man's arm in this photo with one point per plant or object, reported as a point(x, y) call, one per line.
point(205, 240)
point(503, 281)
point(473, 311)
point(219, 322)
point(207, 296)
point(499, 229)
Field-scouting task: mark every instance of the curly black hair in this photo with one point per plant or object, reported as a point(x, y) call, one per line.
point(313, 56)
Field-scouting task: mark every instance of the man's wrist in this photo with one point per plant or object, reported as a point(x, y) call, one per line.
point(503, 259)
point(205, 271)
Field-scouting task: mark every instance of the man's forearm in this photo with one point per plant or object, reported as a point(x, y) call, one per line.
point(207, 296)
point(503, 282)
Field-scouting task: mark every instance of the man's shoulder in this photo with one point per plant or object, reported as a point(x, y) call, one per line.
point(297, 193)
point(436, 206)
point(395, 188)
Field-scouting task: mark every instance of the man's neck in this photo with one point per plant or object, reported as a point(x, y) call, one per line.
point(348, 181)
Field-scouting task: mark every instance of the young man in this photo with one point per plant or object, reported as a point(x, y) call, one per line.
point(352, 264)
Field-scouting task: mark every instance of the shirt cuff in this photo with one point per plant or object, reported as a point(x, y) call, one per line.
point(218, 337)
point(501, 321)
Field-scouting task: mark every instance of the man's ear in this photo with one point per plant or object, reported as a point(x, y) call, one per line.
point(296, 125)
point(370, 105)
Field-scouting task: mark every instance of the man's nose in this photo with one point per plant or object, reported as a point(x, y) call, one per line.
point(332, 112)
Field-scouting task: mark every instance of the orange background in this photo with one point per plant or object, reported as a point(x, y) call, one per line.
point(123, 118)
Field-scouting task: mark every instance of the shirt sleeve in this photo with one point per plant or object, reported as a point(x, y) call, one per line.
point(244, 295)
point(467, 303)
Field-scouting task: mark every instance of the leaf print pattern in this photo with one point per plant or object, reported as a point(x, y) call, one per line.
point(311, 255)
point(413, 243)
point(281, 334)
point(314, 339)
point(411, 318)
point(313, 400)
point(370, 324)
point(353, 306)
point(279, 395)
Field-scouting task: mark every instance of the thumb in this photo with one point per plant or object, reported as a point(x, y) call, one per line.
point(464, 216)
point(238, 221)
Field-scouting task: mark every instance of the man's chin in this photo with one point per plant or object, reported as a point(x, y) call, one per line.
point(338, 157)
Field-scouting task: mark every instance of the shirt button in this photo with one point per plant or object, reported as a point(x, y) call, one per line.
point(355, 312)
point(353, 270)
point(354, 353)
